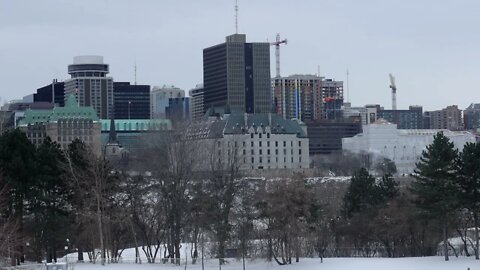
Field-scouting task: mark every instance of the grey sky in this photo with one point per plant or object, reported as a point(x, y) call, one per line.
point(431, 46)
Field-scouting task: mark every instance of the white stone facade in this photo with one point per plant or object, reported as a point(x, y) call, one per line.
point(404, 147)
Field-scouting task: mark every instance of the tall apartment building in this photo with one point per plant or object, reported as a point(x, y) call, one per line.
point(447, 118)
point(307, 97)
point(196, 103)
point(90, 84)
point(237, 74)
point(471, 117)
point(131, 101)
point(405, 119)
point(53, 93)
point(159, 99)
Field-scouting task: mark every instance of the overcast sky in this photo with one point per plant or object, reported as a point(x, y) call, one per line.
point(431, 46)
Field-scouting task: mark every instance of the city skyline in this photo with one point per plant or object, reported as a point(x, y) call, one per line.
point(429, 47)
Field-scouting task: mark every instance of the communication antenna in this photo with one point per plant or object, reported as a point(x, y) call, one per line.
point(236, 16)
point(348, 85)
point(135, 71)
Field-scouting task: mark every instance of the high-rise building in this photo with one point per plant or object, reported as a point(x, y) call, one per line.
point(131, 101)
point(325, 137)
point(90, 84)
point(471, 117)
point(237, 74)
point(307, 97)
point(52, 93)
point(196, 103)
point(159, 99)
point(447, 118)
point(178, 109)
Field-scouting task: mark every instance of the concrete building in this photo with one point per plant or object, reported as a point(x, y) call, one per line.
point(405, 119)
point(258, 141)
point(131, 101)
point(307, 97)
point(237, 74)
point(471, 117)
point(447, 118)
point(402, 146)
point(367, 114)
point(63, 125)
point(90, 84)
point(159, 99)
point(196, 103)
point(52, 93)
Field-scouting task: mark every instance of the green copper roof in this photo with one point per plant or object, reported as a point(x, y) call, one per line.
point(137, 125)
point(71, 110)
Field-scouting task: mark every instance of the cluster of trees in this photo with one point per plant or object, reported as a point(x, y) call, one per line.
point(51, 198)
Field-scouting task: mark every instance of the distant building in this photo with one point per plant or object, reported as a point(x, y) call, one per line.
point(131, 101)
point(447, 118)
point(367, 114)
point(405, 119)
point(307, 97)
point(63, 125)
point(178, 109)
point(325, 137)
point(52, 93)
point(471, 117)
point(159, 99)
point(196, 103)
point(90, 84)
point(255, 141)
point(133, 134)
point(113, 150)
point(403, 147)
point(237, 74)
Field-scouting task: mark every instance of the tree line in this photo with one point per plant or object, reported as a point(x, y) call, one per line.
point(179, 191)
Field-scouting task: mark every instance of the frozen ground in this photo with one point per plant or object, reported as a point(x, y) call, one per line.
point(424, 263)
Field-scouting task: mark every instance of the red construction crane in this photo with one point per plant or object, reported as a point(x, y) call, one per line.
point(277, 52)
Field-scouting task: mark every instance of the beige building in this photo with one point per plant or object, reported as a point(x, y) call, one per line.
point(63, 125)
point(449, 118)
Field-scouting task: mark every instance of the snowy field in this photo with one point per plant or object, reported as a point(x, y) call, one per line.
point(424, 263)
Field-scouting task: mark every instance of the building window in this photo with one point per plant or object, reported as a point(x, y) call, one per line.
point(251, 135)
point(268, 151)
point(268, 135)
point(284, 144)
point(260, 151)
point(253, 160)
point(252, 152)
point(299, 151)
point(299, 143)
point(260, 159)
point(268, 144)
point(260, 144)
point(260, 135)
point(251, 144)
point(276, 144)
point(284, 152)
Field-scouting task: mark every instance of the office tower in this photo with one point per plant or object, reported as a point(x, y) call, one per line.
point(53, 93)
point(237, 74)
point(178, 109)
point(131, 101)
point(90, 84)
point(159, 99)
point(196, 103)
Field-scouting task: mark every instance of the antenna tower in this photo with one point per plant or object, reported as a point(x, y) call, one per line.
point(135, 71)
point(236, 16)
point(348, 86)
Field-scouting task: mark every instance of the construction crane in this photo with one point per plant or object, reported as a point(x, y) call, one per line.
point(277, 52)
point(394, 91)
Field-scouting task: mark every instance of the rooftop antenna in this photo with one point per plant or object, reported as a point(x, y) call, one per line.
point(348, 85)
point(318, 71)
point(135, 71)
point(236, 16)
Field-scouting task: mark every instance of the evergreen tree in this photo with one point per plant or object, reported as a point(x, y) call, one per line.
point(434, 184)
point(468, 167)
point(361, 193)
point(17, 164)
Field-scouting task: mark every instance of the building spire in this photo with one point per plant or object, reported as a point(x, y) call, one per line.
point(112, 135)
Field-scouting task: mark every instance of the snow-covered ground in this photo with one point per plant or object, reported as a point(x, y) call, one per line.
point(423, 263)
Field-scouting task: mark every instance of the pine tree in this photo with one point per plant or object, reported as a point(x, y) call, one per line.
point(468, 167)
point(361, 193)
point(434, 184)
